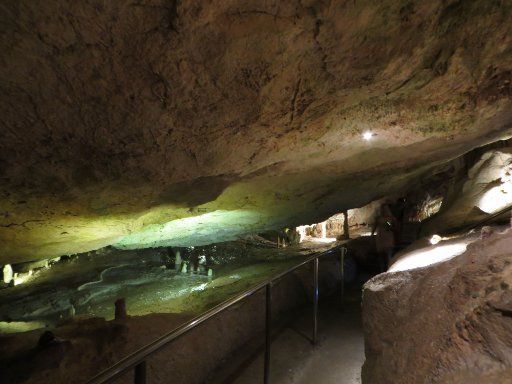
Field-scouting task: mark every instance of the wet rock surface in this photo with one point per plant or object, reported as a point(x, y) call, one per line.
point(159, 123)
point(446, 323)
point(90, 284)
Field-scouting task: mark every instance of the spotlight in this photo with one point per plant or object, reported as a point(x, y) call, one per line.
point(435, 239)
point(367, 135)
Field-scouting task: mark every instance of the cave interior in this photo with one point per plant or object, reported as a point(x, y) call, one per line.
point(158, 158)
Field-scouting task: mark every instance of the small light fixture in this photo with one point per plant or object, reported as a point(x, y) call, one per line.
point(435, 239)
point(367, 135)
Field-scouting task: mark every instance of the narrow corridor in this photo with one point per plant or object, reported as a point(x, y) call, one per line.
point(337, 359)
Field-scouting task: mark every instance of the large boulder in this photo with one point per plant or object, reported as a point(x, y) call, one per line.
point(446, 323)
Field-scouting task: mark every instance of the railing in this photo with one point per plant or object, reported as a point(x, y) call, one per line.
point(489, 218)
point(137, 360)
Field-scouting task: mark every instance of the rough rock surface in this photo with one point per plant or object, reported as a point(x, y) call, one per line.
point(485, 188)
point(160, 122)
point(446, 323)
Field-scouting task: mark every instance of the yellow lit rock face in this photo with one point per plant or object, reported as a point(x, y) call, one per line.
point(136, 125)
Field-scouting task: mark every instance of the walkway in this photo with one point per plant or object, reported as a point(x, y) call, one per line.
point(337, 359)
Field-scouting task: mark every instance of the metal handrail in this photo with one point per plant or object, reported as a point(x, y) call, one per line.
point(137, 359)
point(489, 218)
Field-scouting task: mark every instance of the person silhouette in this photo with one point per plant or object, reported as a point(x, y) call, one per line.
point(385, 226)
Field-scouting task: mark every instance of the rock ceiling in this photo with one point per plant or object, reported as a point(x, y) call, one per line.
point(146, 123)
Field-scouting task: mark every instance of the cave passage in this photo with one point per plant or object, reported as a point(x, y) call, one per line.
point(161, 159)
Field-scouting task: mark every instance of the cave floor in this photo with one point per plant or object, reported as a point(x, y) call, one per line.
point(337, 358)
point(94, 283)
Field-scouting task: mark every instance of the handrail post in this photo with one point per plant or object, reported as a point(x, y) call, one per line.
point(315, 301)
point(343, 251)
point(140, 373)
point(268, 329)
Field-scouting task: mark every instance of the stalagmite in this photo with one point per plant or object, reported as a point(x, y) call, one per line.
point(120, 309)
point(7, 273)
point(202, 264)
point(178, 261)
point(324, 230)
point(346, 234)
point(302, 232)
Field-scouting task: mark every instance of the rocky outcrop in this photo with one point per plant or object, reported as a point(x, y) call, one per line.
point(446, 323)
point(155, 123)
point(358, 219)
point(482, 190)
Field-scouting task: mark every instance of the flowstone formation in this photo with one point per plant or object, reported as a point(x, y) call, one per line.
point(446, 323)
point(156, 123)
